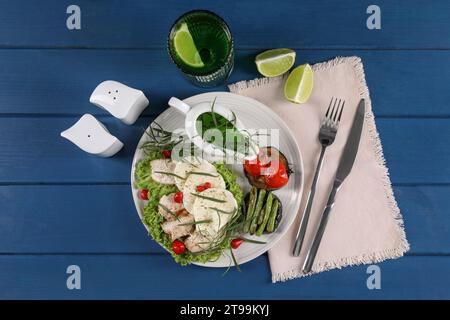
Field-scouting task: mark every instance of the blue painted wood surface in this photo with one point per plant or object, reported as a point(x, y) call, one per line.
point(59, 206)
point(254, 23)
point(157, 277)
point(400, 81)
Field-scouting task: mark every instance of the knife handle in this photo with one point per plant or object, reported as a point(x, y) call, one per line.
point(320, 231)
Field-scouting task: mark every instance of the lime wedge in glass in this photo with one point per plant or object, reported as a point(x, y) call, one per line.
point(299, 84)
point(185, 47)
point(275, 62)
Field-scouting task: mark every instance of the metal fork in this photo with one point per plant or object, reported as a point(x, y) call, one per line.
point(327, 133)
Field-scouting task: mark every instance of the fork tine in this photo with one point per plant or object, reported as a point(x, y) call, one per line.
point(328, 110)
point(329, 115)
point(337, 111)
point(340, 113)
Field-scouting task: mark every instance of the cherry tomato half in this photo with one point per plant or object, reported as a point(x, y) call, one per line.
point(200, 188)
point(143, 194)
point(207, 185)
point(166, 153)
point(178, 247)
point(178, 197)
point(235, 243)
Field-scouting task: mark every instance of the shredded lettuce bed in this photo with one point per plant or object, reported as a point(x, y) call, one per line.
point(153, 219)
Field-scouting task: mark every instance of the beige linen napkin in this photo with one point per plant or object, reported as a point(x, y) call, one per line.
point(365, 225)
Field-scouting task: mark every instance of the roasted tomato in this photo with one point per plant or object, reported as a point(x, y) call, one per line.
point(277, 179)
point(252, 167)
point(269, 170)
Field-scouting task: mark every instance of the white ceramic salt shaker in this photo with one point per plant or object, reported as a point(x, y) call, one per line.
point(91, 135)
point(123, 102)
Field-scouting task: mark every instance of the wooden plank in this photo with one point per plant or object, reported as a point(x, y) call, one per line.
point(156, 277)
point(416, 151)
point(260, 24)
point(59, 82)
point(102, 219)
point(30, 140)
point(67, 219)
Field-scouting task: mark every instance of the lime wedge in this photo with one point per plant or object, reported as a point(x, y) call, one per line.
point(299, 84)
point(185, 47)
point(275, 62)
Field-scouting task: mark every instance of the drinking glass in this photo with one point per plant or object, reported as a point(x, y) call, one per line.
point(201, 46)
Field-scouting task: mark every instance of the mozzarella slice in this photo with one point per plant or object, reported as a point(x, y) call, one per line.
point(189, 164)
point(219, 213)
point(164, 166)
point(195, 180)
point(168, 202)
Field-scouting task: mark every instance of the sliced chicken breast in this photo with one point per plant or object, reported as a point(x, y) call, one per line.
point(176, 229)
point(168, 208)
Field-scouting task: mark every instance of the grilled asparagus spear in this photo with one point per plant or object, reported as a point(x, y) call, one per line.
point(265, 214)
point(251, 208)
point(268, 204)
point(273, 215)
point(258, 209)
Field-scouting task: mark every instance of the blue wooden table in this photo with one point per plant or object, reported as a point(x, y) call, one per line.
point(61, 207)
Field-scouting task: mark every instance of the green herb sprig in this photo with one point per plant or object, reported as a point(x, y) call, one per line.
point(168, 211)
point(195, 223)
point(208, 198)
point(203, 174)
point(170, 174)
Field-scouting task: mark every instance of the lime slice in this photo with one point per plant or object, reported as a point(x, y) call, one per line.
point(275, 62)
point(299, 84)
point(185, 47)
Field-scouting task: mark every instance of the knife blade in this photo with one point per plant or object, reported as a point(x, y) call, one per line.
point(351, 147)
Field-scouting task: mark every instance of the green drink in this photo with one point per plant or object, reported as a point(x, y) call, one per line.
point(201, 46)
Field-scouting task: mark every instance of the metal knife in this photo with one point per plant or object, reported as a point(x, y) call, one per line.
point(344, 168)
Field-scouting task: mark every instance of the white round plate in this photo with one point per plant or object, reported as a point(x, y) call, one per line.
point(253, 115)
